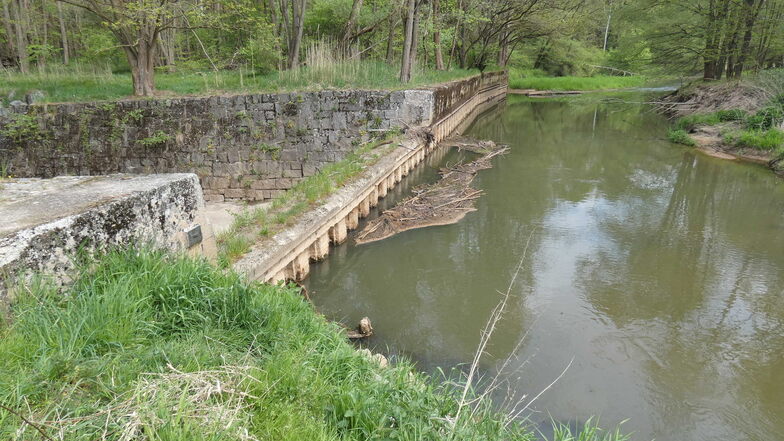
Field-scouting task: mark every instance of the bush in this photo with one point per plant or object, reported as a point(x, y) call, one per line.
point(731, 115)
point(688, 123)
point(766, 117)
point(679, 136)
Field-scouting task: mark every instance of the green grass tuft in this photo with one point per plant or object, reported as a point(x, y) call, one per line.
point(680, 136)
point(771, 140)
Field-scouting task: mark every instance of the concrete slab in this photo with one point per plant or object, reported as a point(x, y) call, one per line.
point(221, 214)
point(44, 221)
point(26, 203)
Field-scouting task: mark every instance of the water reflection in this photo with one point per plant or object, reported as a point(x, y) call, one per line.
point(657, 270)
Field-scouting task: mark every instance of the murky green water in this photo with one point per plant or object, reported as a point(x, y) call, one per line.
point(658, 271)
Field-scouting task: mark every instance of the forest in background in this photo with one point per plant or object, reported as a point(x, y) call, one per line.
point(241, 40)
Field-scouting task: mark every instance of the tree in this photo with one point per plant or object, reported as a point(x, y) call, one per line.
point(408, 41)
point(293, 13)
point(137, 26)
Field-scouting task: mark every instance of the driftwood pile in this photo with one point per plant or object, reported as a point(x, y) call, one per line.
point(442, 203)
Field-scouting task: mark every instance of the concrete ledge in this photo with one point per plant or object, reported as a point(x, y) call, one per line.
point(44, 221)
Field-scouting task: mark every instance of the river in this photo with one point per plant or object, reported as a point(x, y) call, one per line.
point(657, 272)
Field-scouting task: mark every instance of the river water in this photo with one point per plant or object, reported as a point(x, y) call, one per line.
point(656, 271)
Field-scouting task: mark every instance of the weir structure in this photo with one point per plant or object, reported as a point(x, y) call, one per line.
point(115, 186)
point(287, 256)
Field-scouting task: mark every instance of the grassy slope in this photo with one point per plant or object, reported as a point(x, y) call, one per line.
point(158, 347)
point(87, 85)
point(598, 82)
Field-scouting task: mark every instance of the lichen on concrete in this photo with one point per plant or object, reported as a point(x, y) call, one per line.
point(45, 222)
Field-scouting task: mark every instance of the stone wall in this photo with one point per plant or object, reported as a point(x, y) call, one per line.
point(250, 147)
point(45, 221)
point(287, 255)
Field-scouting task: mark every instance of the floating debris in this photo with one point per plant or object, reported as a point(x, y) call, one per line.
point(442, 203)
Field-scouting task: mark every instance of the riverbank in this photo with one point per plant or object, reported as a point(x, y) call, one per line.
point(732, 120)
point(149, 345)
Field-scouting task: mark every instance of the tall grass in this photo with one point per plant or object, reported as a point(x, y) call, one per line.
point(150, 346)
point(89, 83)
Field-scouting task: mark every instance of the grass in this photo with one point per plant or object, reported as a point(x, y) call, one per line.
point(150, 346)
point(80, 83)
point(756, 131)
point(771, 140)
point(680, 136)
point(689, 122)
point(597, 82)
point(253, 224)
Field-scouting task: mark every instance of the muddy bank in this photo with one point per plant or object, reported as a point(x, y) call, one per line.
point(707, 98)
point(712, 139)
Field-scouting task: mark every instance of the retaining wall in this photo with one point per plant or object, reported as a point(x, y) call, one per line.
point(249, 147)
point(287, 255)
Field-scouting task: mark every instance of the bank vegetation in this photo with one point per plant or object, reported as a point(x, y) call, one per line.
point(146, 345)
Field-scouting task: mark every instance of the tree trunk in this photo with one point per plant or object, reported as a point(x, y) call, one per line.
point(348, 30)
point(710, 55)
point(41, 58)
point(727, 56)
point(415, 37)
point(391, 37)
point(405, 66)
point(751, 17)
point(63, 33)
point(437, 36)
point(8, 26)
point(141, 58)
point(21, 38)
point(295, 31)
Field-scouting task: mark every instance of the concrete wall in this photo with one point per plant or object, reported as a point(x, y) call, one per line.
point(250, 147)
point(45, 221)
point(287, 255)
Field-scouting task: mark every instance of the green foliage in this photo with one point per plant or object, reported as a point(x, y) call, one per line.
point(766, 118)
point(156, 139)
point(680, 136)
point(589, 432)
point(689, 122)
point(517, 81)
point(273, 150)
point(768, 140)
point(22, 128)
point(80, 83)
point(146, 345)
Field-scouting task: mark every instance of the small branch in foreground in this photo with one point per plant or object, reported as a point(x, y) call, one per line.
point(28, 422)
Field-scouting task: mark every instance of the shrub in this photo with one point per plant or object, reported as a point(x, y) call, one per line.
point(688, 123)
point(680, 136)
point(731, 115)
point(766, 118)
point(157, 138)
